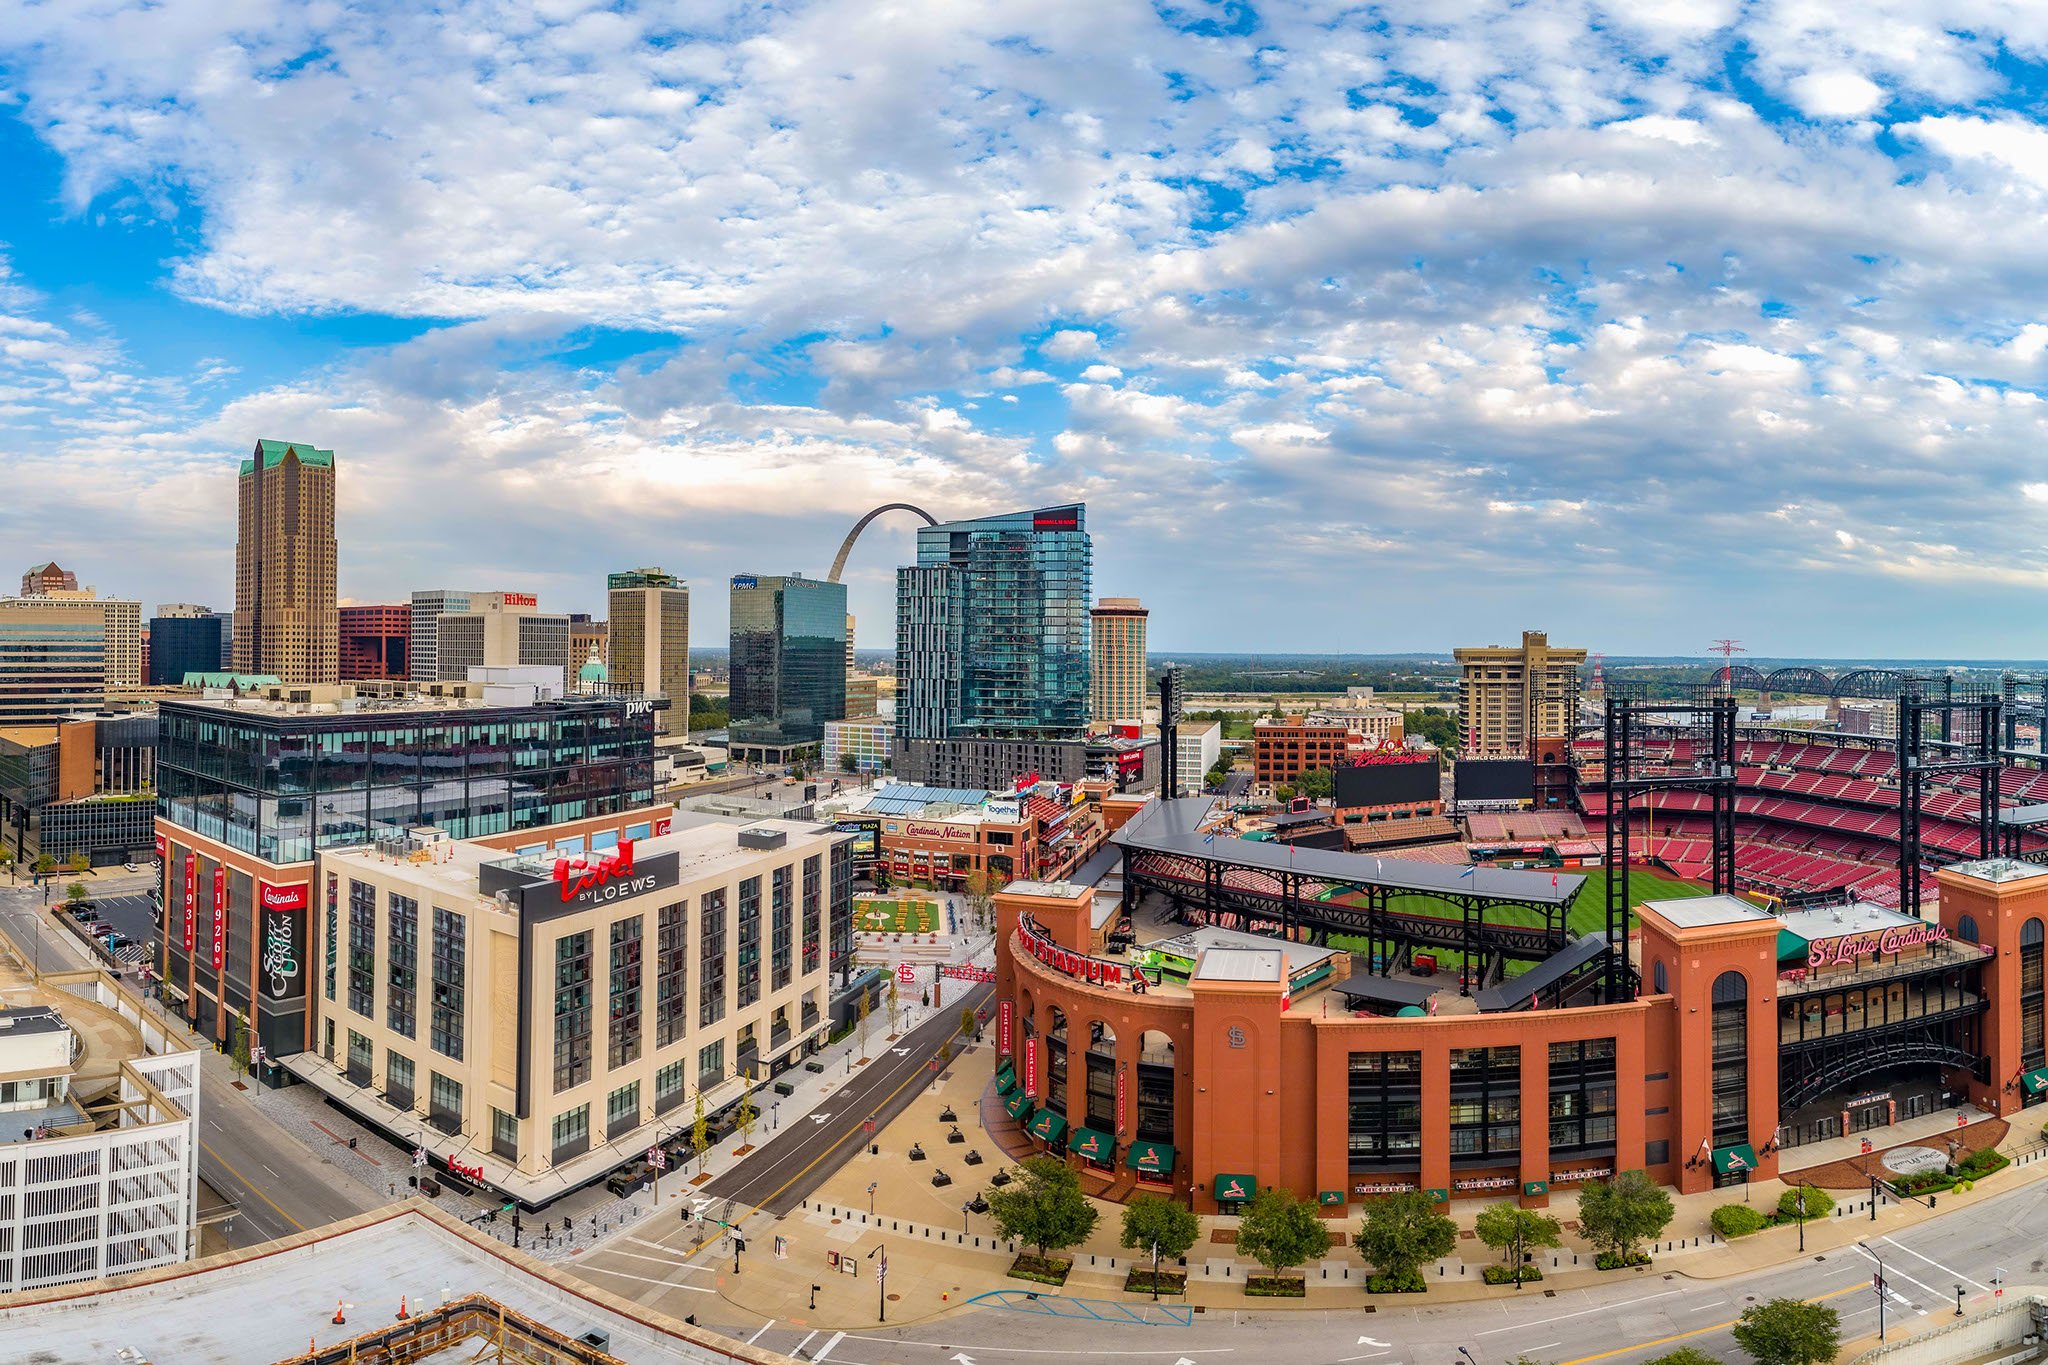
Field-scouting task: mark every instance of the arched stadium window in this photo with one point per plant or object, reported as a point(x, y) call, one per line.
point(1966, 928)
point(2030, 933)
point(1731, 988)
point(1660, 981)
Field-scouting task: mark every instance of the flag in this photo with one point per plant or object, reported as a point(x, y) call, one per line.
point(1432, 1004)
point(1553, 882)
point(1533, 1002)
point(1469, 870)
point(1209, 838)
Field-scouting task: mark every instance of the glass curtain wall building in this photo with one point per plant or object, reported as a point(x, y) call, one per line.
point(281, 785)
point(993, 627)
point(788, 659)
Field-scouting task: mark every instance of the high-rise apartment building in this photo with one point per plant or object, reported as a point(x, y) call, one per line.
point(1117, 671)
point(48, 578)
point(849, 644)
point(1511, 696)
point(120, 630)
point(422, 642)
point(647, 641)
point(185, 638)
point(992, 628)
point(373, 641)
point(501, 630)
point(52, 659)
point(788, 662)
point(286, 621)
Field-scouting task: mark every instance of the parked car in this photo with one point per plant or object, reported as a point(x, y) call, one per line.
point(84, 914)
point(116, 942)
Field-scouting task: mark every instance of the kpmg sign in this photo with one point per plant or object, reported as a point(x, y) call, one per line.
point(583, 882)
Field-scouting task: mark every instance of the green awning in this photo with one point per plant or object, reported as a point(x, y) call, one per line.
point(1006, 1069)
point(1046, 1126)
point(2034, 1082)
point(1005, 1082)
point(1739, 1159)
point(1330, 1199)
point(1235, 1189)
point(1019, 1106)
point(1150, 1158)
point(1092, 1144)
point(1791, 946)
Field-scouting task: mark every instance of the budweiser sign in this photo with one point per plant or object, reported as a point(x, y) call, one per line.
point(1832, 952)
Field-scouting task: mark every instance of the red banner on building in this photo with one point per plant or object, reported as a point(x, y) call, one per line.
point(1122, 1080)
point(1003, 1013)
point(1031, 1067)
point(220, 917)
point(191, 898)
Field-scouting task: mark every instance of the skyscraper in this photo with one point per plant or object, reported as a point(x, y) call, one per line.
point(184, 638)
point(48, 578)
point(52, 659)
point(422, 645)
point(992, 628)
point(373, 640)
point(286, 620)
point(1509, 696)
point(1117, 690)
point(502, 630)
point(647, 642)
point(120, 630)
point(788, 661)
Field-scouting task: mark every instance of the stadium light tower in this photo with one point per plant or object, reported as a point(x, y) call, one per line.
point(1728, 649)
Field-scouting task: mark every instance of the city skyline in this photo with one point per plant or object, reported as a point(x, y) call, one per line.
point(1468, 313)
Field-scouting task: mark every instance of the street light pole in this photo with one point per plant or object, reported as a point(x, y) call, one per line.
point(1799, 1202)
point(1877, 1283)
point(872, 1184)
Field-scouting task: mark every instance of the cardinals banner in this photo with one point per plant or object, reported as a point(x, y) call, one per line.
point(191, 897)
point(1003, 1023)
point(220, 917)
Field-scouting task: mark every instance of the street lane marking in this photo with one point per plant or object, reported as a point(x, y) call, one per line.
point(826, 1349)
point(668, 1260)
point(1700, 1331)
point(250, 1185)
point(1603, 1308)
point(1936, 1264)
point(1889, 1271)
point(606, 1270)
point(805, 1342)
point(1041, 1351)
point(762, 1333)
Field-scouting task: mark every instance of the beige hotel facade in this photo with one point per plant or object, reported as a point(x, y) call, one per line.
point(532, 1023)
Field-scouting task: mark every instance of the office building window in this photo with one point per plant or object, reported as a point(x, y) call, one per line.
point(402, 966)
point(671, 966)
point(1730, 1059)
point(571, 1134)
point(362, 948)
point(572, 1010)
point(1386, 1109)
point(444, 1102)
point(1486, 1107)
point(1582, 1096)
point(450, 956)
point(710, 1064)
point(747, 977)
point(623, 1042)
point(781, 930)
point(333, 934)
point(813, 912)
point(398, 1081)
point(622, 1110)
point(711, 958)
point(504, 1135)
point(668, 1086)
point(362, 1058)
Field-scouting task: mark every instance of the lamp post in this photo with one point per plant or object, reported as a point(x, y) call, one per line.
point(872, 1185)
point(1959, 1300)
point(1877, 1283)
point(1799, 1203)
point(1155, 1270)
point(881, 1281)
point(965, 1209)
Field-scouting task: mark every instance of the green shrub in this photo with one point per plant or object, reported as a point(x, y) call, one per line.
point(1407, 1282)
point(1736, 1220)
point(1818, 1202)
point(1923, 1182)
point(1611, 1260)
point(1040, 1269)
point(1276, 1286)
point(1981, 1163)
point(1500, 1274)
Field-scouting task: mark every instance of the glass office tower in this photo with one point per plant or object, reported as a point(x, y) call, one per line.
point(788, 659)
point(992, 627)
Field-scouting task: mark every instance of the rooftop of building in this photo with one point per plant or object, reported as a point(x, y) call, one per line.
point(385, 698)
point(1706, 912)
point(1837, 921)
point(1998, 869)
point(198, 1314)
point(1206, 945)
point(273, 453)
point(30, 1019)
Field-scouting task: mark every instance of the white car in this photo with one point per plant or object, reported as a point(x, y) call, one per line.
point(130, 867)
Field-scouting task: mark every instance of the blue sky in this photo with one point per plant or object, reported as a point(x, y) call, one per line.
point(1359, 328)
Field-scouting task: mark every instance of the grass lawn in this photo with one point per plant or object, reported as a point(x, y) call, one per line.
point(906, 914)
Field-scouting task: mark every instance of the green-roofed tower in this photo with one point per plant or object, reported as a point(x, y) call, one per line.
point(286, 619)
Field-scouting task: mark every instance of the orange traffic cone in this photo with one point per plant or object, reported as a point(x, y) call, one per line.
point(338, 1318)
point(402, 1314)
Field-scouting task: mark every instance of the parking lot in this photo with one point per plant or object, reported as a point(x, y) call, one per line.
point(133, 916)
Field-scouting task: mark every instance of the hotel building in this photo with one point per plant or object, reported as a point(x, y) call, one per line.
point(286, 622)
point(533, 1020)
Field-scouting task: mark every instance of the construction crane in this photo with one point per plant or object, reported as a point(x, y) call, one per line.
point(1728, 649)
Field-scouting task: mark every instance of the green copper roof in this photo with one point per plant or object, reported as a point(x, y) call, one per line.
point(273, 455)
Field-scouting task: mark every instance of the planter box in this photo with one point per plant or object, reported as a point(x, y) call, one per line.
point(1170, 1281)
point(1040, 1269)
point(1276, 1287)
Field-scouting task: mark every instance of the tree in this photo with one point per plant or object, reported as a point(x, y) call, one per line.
point(1283, 793)
point(968, 1023)
point(1216, 775)
point(981, 886)
point(1619, 1215)
point(1401, 1232)
point(700, 1133)
point(880, 877)
point(1317, 784)
point(1789, 1332)
point(1043, 1207)
point(1151, 1220)
point(75, 892)
point(1438, 727)
point(1279, 1230)
point(44, 865)
point(848, 764)
point(1514, 1231)
point(1684, 1355)
point(864, 1005)
point(892, 999)
point(744, 1119)
point(79, 863)
point(239, 1052)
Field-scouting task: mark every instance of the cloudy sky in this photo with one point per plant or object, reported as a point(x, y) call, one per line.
point(1359, 328)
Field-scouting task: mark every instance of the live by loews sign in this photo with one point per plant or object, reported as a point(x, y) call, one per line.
point(584, 882)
